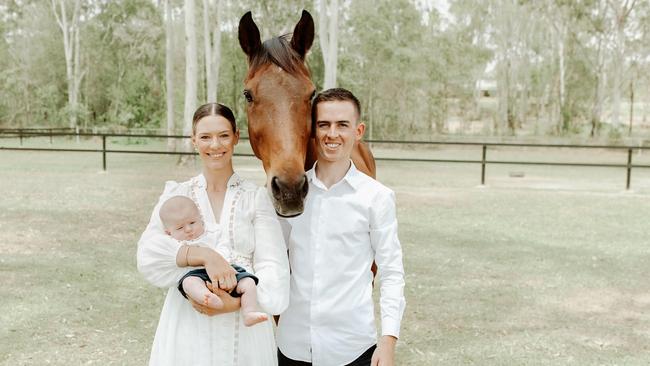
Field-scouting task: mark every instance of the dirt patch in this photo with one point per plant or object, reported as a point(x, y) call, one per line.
point(607, 303)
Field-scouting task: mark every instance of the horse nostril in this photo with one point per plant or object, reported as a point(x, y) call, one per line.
point(275, 186)
point(304, 186)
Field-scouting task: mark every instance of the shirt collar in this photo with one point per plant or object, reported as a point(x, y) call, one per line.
point(233, 181)
point(351, 177)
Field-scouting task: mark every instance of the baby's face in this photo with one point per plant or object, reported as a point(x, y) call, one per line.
point(186, 226)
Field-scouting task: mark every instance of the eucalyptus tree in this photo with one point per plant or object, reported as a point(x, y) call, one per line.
point(32, 66)
point(621, 14)
point(69, 23)
point(191, 72)
point(124, 86)
point(328, 30)
point(212, 46)
point(169, 71)
point(380, 61)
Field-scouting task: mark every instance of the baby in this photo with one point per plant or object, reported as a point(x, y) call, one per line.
point(182, 221)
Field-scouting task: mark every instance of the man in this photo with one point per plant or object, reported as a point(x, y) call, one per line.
point(349, 220)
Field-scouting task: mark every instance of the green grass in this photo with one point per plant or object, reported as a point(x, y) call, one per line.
point(548, 269)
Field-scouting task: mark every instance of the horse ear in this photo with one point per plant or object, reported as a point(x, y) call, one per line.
point(303, 34)
point(249, 35)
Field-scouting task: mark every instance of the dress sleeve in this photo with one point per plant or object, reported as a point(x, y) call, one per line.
point(388, 256)
point(270, 259)
point(156, 256)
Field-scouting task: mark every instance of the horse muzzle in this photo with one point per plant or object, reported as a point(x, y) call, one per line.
point(289, 198)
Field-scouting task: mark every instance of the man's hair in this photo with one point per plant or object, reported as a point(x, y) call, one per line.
point(332, 95)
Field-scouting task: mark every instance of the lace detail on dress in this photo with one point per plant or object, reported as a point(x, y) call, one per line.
point(194, 185)
point(242, 260)
point(234, 257)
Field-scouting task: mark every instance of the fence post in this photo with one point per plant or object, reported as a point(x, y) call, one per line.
point(50, 136)
point(104, 151)
point(629, 168)
point(483, 165)
point(20, 134)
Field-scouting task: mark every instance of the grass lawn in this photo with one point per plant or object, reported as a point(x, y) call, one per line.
point(547, 269)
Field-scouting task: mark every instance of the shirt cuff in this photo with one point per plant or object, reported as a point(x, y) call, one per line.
point(390, 327)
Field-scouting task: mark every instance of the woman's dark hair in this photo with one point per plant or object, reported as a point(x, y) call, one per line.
point(213, 109)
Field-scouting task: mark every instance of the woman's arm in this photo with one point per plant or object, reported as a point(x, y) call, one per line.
point(219, 270)
point(158, 253)
point(270, 259)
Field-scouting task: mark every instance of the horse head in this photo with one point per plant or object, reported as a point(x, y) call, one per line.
point(278, 91)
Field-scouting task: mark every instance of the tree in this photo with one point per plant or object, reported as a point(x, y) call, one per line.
point(169, 72)
point(124, 87)
point(191, 69)
point(70, 30)
point(212, 45)
point(621, 15)
point(328, 36)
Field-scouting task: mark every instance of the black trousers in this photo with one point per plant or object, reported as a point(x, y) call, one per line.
point(363, 360)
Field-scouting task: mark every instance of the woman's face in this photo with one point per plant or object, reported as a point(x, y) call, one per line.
point(215, 142)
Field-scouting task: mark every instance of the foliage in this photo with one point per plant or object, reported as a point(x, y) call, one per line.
point(560, 66)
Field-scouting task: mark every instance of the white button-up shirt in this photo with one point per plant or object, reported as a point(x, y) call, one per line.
point(330, 320)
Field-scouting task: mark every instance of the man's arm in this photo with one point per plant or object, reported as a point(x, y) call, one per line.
point(388, 256)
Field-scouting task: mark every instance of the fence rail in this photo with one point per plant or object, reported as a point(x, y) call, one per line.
point(25, 133)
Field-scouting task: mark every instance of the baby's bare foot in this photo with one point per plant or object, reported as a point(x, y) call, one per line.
point(212, 301)
point(254, 317)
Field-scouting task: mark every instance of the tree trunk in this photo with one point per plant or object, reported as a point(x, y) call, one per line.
point(169, 73)
point(616, 82)
point(333, 45)
point(191, 68)
point(629, 132)
point(564, 115)
point(600, 85)
point(328, 36)
point(207, 52)
point(216, 52)
point(212, 42)
point(621, 14)
point(322, 30)
point(70, 30)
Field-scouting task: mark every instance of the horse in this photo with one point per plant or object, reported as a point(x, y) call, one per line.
point(279, 91)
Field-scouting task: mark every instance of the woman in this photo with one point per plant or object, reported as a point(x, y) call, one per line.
point(243, 215)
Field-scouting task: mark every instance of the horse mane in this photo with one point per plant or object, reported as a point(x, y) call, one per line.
point(278, 51)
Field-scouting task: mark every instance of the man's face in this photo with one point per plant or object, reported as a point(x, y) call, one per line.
point(337, 130)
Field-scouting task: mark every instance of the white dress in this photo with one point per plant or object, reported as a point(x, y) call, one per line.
point(249, 224)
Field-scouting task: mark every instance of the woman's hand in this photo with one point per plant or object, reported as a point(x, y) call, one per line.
point(220, 272)
point(230, 303)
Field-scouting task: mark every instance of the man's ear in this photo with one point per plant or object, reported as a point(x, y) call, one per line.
point(361, 129)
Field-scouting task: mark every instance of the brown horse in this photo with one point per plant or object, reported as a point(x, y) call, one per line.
point(278, 90)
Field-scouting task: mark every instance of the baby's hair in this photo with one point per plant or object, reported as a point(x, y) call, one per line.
point(171, 205)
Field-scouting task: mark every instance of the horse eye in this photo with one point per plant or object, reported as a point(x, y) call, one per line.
point(248, 96)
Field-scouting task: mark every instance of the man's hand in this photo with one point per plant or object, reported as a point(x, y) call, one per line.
point(230, 303)
point(384, 354)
